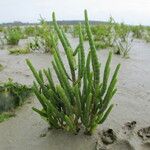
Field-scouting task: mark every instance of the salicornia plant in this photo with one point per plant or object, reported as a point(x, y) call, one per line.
point(123, 40)
point(82, 97)
point(104, 34)
point(46, 40)
point(13, 35)
point(12, 94)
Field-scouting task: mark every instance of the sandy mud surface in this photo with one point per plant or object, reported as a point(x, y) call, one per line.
point(125, 129)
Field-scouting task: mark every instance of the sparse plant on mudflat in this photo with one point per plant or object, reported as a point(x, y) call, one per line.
point(82, 97)
point(146, 34)
point(137, 31)
point(1, 29)
point(122, 31)
point(66, 28)
point(122, 48)
point(1, 67)
point(46, 39)
point(35, 44)
point(76, 30)
point(42, 38)
point(19, 50)
point(2, 42)
point(123, 41)
point(29, 31)
point(104, 34)
point(12, 94)
point(13, 35)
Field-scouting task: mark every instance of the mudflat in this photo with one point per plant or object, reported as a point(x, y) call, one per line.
point(127, 127)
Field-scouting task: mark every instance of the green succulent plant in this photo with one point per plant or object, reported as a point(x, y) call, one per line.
point(18, 51)
point(46, 39)
point(12, 94)
point(76, 30)
point(137, 31)
point(82, 97)
point(42, 38)
point(29, 31)
point(13, 35)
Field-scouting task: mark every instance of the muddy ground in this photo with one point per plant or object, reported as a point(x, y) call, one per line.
point(27, 131)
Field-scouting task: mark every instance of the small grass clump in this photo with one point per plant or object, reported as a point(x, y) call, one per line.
point(12, 94)
point(76, 30)
point(46, 37)
point(13, 35)
point(1, 28)
point(1, 67)
point(100, 45)
point(104, 34)
point(122, 48)
point(29, 31)
point(137, 31)
point(42, 38)
point(2, 42)
point(122, 31)
point(147, 34)
point(66, 28)
point(6, 116)
point(35, 44)
point(82, 97)
point(123, 41)
point(18, 51)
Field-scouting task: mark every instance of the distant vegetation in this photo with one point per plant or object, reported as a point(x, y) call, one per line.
point(13, 35)
point(116, 36)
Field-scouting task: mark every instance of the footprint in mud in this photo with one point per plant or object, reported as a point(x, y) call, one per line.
point(144, 133)
point(122, 145)
point(108, 136)
point(44, 132)
point(119, 145)
point(129, 127)
point(21, 73)
point(145, 146)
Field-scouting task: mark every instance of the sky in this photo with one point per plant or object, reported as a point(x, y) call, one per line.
point(128, 11)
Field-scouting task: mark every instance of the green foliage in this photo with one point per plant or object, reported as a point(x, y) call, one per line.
point(122, 31)
point(12, 95)
point(66, 28)
point(123, 40)
point(122, 48)
point(147, 37)
point(46, 38)
point(1, 67)
point(1, 29)
point(43, 39)
point(146, 33)
point(100, 45)
point(13, 35)
point(6, 116)
point(34, 44)
point(137, 31)
point(18, 51)
point(2, 42)
point(104, 34)
point(76, 30)
point(81, 98)
point(29, 31)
